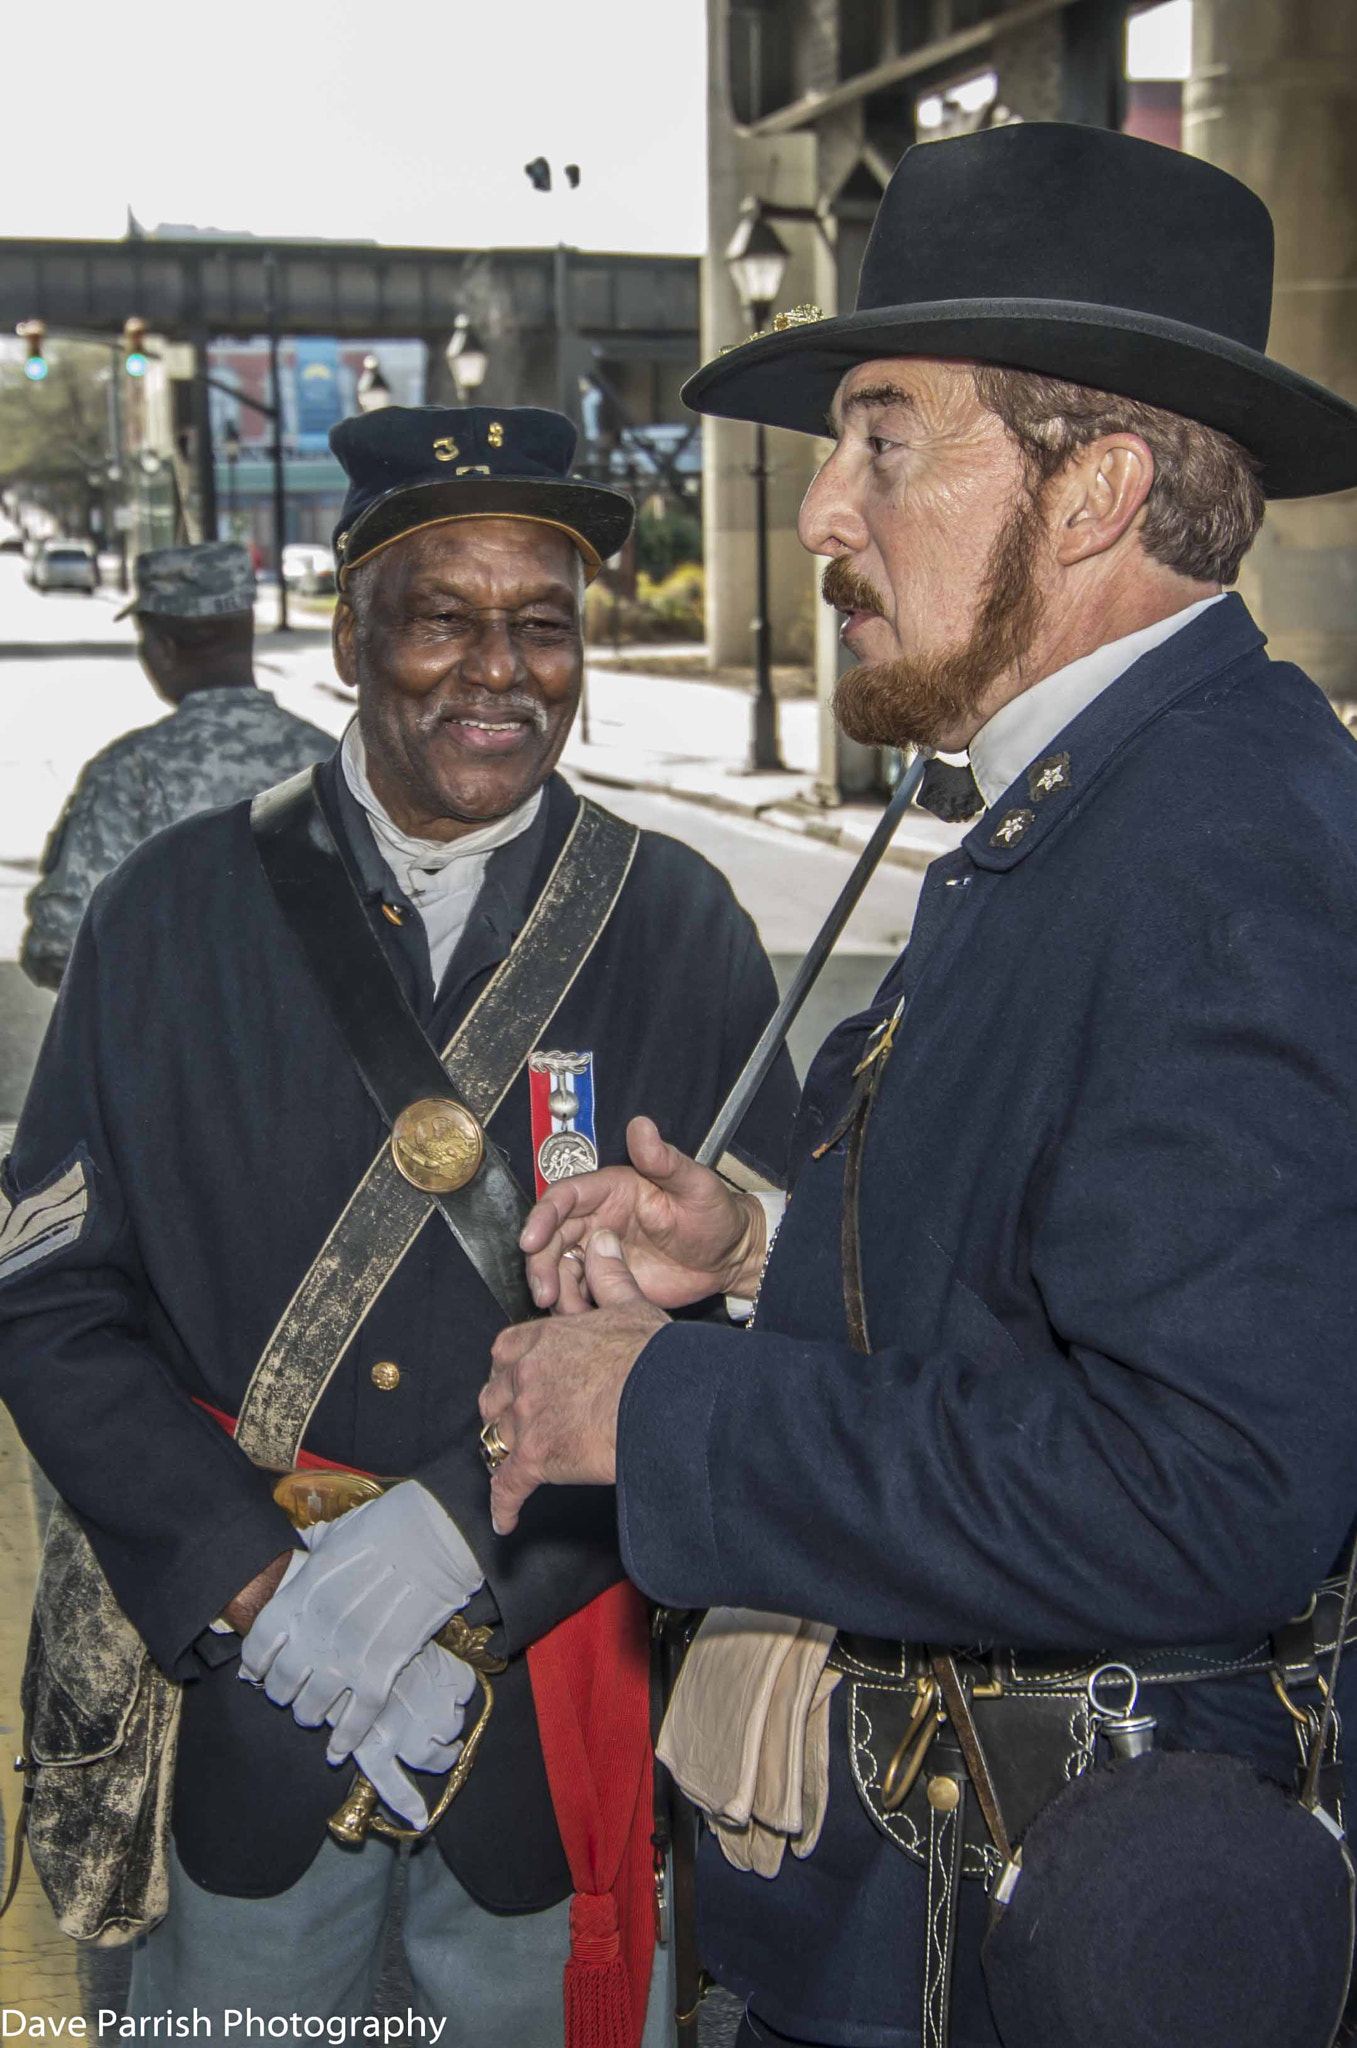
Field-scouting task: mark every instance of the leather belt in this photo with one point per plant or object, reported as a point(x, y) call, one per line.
point(1036, 1672)
point(1031, 1710)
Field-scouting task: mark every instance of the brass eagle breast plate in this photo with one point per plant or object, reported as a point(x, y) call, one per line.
point(438, 1145)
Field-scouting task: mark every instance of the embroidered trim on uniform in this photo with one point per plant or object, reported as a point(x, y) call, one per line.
point(37, 1226)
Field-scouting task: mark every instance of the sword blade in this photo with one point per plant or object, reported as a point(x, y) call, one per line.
point(760, 1062)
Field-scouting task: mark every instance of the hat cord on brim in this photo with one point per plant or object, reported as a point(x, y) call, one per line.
point(593, 561)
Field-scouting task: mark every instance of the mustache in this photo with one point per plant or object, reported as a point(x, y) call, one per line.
point(847, 589)
point(511, 704)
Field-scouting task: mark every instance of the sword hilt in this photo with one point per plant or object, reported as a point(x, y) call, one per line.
point(350, 1822)
point(308, 1497)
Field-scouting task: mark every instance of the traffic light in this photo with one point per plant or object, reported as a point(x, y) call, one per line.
point(134, 347)
point(538, 174)
point(33, 333)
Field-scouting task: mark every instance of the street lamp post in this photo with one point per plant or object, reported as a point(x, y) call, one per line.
point(757, 261)
point(230, 441)
point(372, 391)
point(538, 174)
point(114, 535)
point(279, 473)
point(466, 358)
point(98, 514)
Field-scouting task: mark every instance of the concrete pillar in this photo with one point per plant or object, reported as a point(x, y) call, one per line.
point(1273, 99)
point(1030, 62)
point(780, 170)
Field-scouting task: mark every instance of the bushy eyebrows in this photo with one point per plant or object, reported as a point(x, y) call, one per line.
point(438, 590)
point(863, 399)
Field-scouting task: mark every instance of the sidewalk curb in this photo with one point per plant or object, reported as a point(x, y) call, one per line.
point(817, 825)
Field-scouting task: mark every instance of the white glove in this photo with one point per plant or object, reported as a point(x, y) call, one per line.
point(419, 1725)
point(372, 1590)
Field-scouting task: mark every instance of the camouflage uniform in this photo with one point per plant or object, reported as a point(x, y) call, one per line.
point(219, 746)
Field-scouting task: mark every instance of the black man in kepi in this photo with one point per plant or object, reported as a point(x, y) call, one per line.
point(313, 1059)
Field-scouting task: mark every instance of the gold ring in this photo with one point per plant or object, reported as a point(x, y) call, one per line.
point(493, 1447)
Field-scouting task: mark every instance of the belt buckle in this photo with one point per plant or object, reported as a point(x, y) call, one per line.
point(912, 1751)
point(928, 1716)
point(310, 1496)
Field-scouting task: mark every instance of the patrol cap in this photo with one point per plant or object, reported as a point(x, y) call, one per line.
point(411, 466)
point(202, 582)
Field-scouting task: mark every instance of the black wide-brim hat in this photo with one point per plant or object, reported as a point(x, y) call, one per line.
point(411, 466)
point(1079, 253)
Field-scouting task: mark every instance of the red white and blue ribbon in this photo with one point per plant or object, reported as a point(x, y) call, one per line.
point(561, 1091)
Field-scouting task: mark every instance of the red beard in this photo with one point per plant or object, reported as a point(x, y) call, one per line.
point(914, 700)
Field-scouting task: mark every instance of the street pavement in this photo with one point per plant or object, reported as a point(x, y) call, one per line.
point(663, 752)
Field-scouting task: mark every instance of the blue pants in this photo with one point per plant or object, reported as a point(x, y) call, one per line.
point(316, 1950)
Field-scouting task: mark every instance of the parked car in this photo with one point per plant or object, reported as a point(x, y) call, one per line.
point(308, 568)
point(65, 565)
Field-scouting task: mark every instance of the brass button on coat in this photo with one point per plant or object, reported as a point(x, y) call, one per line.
point(386, 1376)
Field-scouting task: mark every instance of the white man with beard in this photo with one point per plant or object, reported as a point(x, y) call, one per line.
point(1047, 1420)
point(312, 1059)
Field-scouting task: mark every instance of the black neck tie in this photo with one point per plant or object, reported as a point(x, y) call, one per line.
point(949, 792)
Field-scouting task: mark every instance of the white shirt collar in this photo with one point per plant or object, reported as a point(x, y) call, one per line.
point(1023, 728)
point(418, 864)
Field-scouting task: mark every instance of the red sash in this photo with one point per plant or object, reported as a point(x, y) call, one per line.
point(590, 1679)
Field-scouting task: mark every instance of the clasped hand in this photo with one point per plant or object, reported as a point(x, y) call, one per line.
point(346, 1641)
point(657, 1235)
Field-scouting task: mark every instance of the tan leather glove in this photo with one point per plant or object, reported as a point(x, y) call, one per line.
point(746, 1734)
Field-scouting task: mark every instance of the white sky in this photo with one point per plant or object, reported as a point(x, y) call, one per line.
point(400, 120)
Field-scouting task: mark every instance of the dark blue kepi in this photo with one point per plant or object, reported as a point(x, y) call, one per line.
point(420, 465)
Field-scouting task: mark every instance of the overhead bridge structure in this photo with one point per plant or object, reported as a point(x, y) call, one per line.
point(550, 316)
point(183, 289)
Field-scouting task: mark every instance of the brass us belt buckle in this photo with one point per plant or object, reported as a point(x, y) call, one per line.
point(438, 1145)
point(307, 1497)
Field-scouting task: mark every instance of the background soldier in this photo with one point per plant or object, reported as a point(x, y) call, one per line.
point(227, 739)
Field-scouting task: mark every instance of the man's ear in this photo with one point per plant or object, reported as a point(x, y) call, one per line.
point(157, 648)
point(343, 639)
point(1099, 495)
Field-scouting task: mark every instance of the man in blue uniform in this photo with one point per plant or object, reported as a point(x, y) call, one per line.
point(1052, 1362)
point(198, 1129)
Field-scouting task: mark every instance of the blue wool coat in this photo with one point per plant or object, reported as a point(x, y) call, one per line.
point(220, 1124)
point(1109, 1241)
